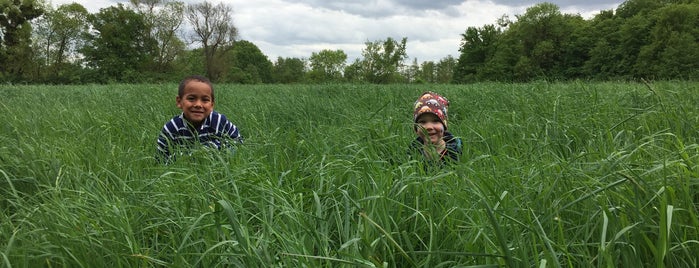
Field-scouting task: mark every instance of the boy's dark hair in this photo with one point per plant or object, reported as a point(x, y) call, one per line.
point(199, 78)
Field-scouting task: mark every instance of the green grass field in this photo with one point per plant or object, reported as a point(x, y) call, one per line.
point(553, 175)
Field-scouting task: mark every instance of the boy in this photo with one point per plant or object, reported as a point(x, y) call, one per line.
point(198, 122)
point(433, 141)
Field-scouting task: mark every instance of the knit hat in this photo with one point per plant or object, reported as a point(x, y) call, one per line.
point(430, 102)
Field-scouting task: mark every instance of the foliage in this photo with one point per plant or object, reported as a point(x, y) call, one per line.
point(326, 66)
point(642, 39)
point(163, 21)
point(118, 47)
point(58, 35)
point(382, 61)
point(15, 38)
point(288, 70)
point(553, 175)
point(248, 64)
point(214, 30)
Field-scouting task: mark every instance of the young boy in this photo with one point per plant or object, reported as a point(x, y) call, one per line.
point(198, 122)
point(433, 141)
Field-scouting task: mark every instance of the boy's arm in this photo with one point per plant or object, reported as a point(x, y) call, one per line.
point(163, 146)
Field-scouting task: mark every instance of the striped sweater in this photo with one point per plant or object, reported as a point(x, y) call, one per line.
point(177, 134)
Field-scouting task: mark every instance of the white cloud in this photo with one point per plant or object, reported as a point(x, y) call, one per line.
point(297, 28)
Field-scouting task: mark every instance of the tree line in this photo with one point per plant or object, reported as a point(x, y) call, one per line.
point(162, 40)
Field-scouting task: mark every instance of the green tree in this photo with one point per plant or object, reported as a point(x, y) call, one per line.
point(444, 70)
point(603, 38)
point(427, 72)
point(673, 51)
point(59, 35)
point(382, 61)
point(410, 73)
point(544, 33)
point(632, 8)
point(118, 48)
point(478, 46)
point(353, 72)
point(248, 64)
point(214, 30)
point(327, 65)
point(164, 19)
point(508, 51)
point(288, 70)
point(15, 38)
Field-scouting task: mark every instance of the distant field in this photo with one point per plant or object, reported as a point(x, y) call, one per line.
point(553, 175)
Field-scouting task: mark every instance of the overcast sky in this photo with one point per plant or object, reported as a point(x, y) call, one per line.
point(297, 28)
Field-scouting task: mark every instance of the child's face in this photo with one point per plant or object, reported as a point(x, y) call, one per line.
point(196, 102)
point(430, 128)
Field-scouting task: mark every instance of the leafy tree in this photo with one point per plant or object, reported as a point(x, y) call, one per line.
point(444, 70)
point(248, 64)
point(427, 72)
point(383, 60)
point(507, 53)
point(118, 48)
point(189, 62)
point(353, 72)
point(410, 72)
point(327, 65)
point(214, 30)
point(542, 30)
point(603, 37)
point(634, 34)
point(632, 8)
point(59, 34)
point(575, 47)
point(15, 37)
point(673, 51)
point(477, 48)
point(288, 70)
point(164, 19)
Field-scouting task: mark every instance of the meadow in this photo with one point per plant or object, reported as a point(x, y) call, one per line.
point(572, 174)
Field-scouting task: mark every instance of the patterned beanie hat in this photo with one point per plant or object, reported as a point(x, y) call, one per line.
point(430, 102)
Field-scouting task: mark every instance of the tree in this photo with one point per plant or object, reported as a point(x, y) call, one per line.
point(542, 31)
point(118, 48)
point(15, 37)
point(59, 34)
point(248, 64)
point(411, 72)
point(477, 48)
point(672, 51)
point(288, 70)
point(444, 70)
point(383, 60)
point(214, 30)
point(603, 37)
point(327, 65)
point(427, 72)
point(164, 19)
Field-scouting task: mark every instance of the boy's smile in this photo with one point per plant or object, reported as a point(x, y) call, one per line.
point(196, 102)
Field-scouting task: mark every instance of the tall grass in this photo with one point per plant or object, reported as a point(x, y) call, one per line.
point(553, 175)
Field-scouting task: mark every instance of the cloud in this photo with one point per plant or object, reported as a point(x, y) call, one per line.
point(297, 28)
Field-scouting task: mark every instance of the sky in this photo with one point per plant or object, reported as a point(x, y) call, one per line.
point(433, 28)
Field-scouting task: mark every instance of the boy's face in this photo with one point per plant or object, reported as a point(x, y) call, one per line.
point(429, 128)
point(196, 102)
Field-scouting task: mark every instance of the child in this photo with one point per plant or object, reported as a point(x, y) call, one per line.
point(433, 140)
point(198, 122)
